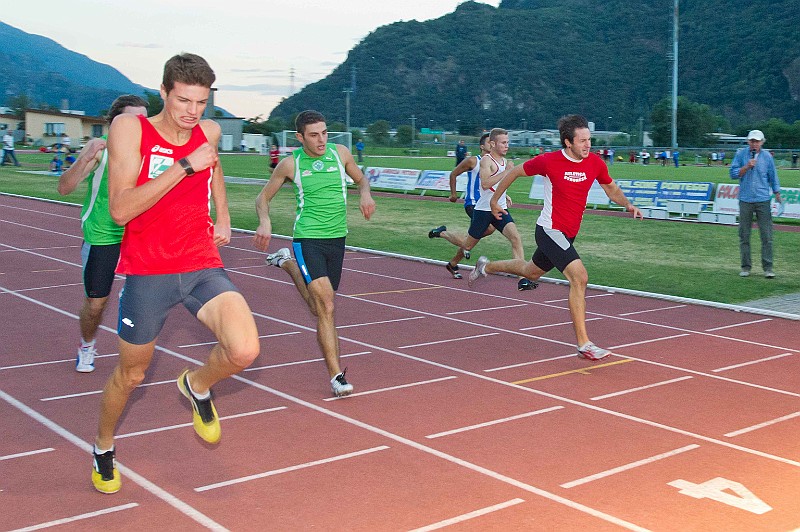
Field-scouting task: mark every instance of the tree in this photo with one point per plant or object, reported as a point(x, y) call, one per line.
point(378, 132)
point(403, 136)
point(154, 103)
point(695, 122)
point(18, 104)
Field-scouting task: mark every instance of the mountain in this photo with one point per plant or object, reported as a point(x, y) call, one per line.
point(48, 73)
point(528, 62)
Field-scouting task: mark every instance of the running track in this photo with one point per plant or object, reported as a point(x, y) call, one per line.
point(472, 411)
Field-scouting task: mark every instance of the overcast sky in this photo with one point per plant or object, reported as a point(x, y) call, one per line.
point(251, 44)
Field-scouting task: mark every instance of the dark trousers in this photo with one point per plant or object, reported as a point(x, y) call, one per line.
point(763, 213)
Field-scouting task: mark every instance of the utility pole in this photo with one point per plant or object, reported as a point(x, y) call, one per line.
point(413, 128)
point(675, 78)
point(347, 107)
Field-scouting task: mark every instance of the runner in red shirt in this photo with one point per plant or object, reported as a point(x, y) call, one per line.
point(568, 175)
point(162, 172)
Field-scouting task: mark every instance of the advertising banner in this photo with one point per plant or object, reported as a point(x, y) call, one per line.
point(394, 178)
point(440, 180)
point(646, 193)
point(727, 200)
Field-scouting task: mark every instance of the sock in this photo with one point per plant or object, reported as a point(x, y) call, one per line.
point(100, 451)
point(197, 395)
point(87, 345)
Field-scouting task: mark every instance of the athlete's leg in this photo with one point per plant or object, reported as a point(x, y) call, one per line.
point(322, 294)
point(578, 278)
point(518, 267)
point(91, 315)
point(127, 375)
point(291, 267)
point(230, 319)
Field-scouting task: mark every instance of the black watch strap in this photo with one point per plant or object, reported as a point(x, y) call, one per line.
point(184, 162)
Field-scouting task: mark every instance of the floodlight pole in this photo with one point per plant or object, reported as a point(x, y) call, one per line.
point(675, 78)
point(413, 128)
point(347, 107)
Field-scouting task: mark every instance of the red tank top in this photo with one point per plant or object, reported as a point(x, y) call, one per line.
point(176, 235)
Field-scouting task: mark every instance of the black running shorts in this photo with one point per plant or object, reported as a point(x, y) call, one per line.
point(99, 263)
point(555, 249)
point(320, 257)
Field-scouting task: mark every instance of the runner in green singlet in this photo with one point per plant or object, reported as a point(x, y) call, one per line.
point(318, 172)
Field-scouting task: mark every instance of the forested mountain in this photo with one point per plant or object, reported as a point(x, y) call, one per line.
point(528, 62)
point(48, 73)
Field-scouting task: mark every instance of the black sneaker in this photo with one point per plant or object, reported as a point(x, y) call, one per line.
point(104, 473)
point(453, 270)
point(436, 233)
point(526, 284)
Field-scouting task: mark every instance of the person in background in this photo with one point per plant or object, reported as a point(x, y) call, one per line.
point(360, 150)
point(461, 152)
point(8, 149)
point(754, 168)
point(101, 235)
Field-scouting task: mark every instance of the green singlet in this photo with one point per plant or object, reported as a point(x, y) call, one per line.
point(99, 229)
point(321, 192)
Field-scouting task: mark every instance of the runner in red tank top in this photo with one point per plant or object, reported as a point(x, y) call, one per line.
point(162, 172)
point(568, 175)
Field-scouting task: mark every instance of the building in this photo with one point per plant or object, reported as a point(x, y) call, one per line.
point(45, 128)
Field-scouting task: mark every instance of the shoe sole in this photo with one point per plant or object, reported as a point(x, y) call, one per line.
point(199, 427)
point(106, 486)
point(591, 358)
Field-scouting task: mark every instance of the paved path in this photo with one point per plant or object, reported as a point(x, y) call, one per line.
point(789, 303)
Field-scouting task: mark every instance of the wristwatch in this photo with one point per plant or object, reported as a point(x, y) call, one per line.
point(184, 162)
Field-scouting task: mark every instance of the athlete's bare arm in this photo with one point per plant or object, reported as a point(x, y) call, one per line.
point(505, 178)
point(126, 200)
point(222, 222)
point(281, 174)
point(489, 167)
point(367, 204)
point(88, 159)
point(464, 166)
point(616, 195)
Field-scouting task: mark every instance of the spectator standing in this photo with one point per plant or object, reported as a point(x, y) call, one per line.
point(360, 150)
point(8, 149)
point(758, 179)
point(461, 152)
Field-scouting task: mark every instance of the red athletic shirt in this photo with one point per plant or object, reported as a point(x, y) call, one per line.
point(176, 235)
point(566, 186)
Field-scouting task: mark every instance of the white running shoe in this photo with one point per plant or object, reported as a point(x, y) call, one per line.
point(480, 270)
point(84, 363)
point(279, 257)
point(589, 351)
point(340, 386)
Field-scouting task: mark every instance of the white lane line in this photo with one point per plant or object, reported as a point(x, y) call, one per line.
point(284, 364)
point(761, 425)
point(290, 468)
point(136, 478)
point(390, 388)
point(495, 422)
point(28, 453)
point(183, 425)
point(626, 467)
point(48, 287)
point(448, 340)
point(62, 361)
point(737, 325)
point(80, 517)
point(640, 388)
point(213, 342)
point(652, 310)
point(379, 322)
point(554, 324)
point(759, 361)
point(484, 309)
point(467, 516)
point(95, 392)
point(521, 364)
point(38, 229)
point(587, 297)
point(651, 340)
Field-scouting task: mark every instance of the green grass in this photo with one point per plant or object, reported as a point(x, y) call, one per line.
point(683, 259)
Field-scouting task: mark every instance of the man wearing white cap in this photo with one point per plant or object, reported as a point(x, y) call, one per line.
point(755, 170)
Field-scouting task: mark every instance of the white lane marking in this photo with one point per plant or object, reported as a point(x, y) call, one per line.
point(79, 517)
point(379, 322)
point(391, 388)
point(467, 516)
point(494, 422)
point(521, 364)
point(95, 392)
point(184, 425)
point(484, 309)
point(214, 342)
point(652, 310)
point(738, 325)
point(555, 324)
point(290, 468)
point(27, 453)
point(462, 338)
point(650, 341)
point(626, 467)
point(640, 388)
point(284, 364)
point(761, 425)
point(759, 361)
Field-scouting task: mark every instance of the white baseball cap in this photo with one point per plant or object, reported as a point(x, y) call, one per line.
point(756, 134)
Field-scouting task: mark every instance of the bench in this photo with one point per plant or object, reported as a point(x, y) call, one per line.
point(658, 213)
point(686, 207)
point(727, 218)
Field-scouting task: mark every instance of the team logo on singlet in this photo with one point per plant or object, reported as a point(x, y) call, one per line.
point(575, 177)
point(158, 165)
point(318, 166)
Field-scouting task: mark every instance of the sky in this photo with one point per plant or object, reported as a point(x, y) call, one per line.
point(252, 45)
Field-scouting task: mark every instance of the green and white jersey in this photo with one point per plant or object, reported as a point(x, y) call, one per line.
point(99, 229)
point(321, 191)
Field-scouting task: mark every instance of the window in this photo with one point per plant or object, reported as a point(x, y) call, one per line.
point(53, 129)
point(97, 130)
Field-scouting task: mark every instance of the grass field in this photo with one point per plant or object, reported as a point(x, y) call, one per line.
point(682, 259)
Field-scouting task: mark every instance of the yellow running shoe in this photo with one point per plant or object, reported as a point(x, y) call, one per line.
point(105, 476)
point(204, 415)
